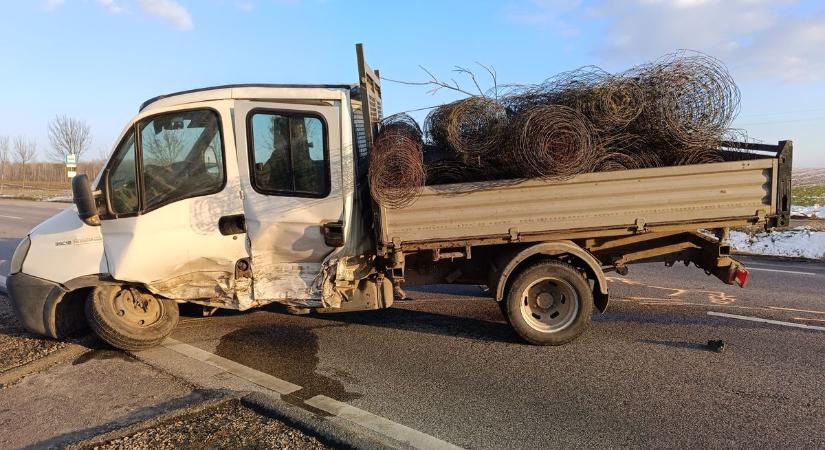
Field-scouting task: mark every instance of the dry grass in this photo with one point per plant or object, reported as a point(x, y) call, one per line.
point(39, 190)
point(809, 177)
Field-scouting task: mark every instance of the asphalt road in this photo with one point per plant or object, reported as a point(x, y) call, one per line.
point(17, 217)
point(447, 364)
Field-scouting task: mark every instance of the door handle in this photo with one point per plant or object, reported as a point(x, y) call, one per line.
point(334, 234)
point(234, 224)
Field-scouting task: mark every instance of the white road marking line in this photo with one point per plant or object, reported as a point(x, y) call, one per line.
point(772, 322)
point(796, 310)
point(809, 318)
point(394, 430)
point(782, 271)
point(384, 426)
point(261, 379)
point(10, 217)
point(3, 284)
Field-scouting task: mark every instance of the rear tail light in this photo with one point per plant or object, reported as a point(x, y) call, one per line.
point(741, 277)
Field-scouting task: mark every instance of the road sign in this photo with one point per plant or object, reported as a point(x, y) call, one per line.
point(71, 159)
point(72, 173)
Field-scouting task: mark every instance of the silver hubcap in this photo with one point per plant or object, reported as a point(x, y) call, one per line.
point(549, 304)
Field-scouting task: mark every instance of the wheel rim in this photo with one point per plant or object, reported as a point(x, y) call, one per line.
point(549, 304)
point(136, 308)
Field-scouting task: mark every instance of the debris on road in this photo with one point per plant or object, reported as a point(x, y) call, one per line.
point(716, 345)
point(799, 242)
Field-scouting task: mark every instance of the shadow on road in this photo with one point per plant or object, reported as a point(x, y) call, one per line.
point(429, 323)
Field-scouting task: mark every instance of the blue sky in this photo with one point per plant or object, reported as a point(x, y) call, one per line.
point(99, 59)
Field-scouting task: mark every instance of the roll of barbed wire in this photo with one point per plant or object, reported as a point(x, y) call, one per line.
point(551, 142)
point(689, 156)
point(396, 172)
point(690, 100)
point(611, 162)
point(475, 128)
point(435, 126)
point(616, 102)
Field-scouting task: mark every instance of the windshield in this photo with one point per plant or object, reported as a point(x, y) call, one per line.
point(180, 155)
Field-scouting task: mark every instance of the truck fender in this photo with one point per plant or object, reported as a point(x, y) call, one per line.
point(583, 259)
point(63, 311)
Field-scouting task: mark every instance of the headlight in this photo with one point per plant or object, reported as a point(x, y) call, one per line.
point(20, 255)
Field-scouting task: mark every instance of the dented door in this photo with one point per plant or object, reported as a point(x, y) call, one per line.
point(171, 180)
point(291, 181)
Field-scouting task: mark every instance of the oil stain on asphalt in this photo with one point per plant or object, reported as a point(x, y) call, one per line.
point(289, 352)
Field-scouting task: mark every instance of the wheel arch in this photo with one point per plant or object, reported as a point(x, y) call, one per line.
point(63, 311)
point(577, 256)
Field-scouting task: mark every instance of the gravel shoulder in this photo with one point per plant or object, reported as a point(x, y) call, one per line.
point(228, 425)
point(18, 346)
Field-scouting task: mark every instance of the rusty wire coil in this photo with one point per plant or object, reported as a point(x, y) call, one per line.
point(691, 100)
point(675, 110)
point(551, 142)
point(435, 126)
point(396, 172)
point(475, 128)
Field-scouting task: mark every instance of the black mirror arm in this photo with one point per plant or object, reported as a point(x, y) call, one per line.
point(104, 192)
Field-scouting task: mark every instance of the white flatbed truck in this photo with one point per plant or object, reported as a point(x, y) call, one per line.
point(239, 196)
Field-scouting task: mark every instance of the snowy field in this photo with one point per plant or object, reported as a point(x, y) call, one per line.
point(811, 212)
point(799, 242)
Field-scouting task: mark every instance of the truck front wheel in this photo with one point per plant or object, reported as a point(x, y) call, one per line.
point(549, 303)
point(130, 319)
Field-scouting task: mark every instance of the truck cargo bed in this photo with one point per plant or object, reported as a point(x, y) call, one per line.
point(735, 193)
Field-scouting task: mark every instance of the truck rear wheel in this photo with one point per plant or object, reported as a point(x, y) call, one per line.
point(129, 319)
point(549, 303)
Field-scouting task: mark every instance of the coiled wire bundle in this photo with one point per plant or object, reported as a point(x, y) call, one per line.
point(396, 171)
point(675, 110)
point(551, 142)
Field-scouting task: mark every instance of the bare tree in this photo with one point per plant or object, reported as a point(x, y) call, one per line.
point(24, 149)
point(165, 148)
point(4, 157)
point(68, 135)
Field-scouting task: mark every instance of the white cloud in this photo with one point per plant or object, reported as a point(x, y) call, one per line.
point(111, 5)
point(550, 14)
point(51, 5)
point(756, 38)
point(169, 11)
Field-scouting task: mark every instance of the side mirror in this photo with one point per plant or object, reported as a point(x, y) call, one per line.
point(84, 200)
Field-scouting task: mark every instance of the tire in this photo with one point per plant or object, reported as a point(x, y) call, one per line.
point(130, 319)
point(549, 303)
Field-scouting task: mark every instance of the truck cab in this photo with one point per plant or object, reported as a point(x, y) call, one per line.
point(231, 197)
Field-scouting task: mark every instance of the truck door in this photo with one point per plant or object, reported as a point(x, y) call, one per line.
point(169, 183)
point(289, 160)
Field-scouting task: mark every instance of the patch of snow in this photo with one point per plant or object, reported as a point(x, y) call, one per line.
point(60, 198)
point(800, 242)
point(812, 212)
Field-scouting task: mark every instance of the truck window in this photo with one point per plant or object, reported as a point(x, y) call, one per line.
point(288, 154)
point(182, 156)
point(123, 178)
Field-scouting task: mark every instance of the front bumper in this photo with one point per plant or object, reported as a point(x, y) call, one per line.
point(35, 302)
